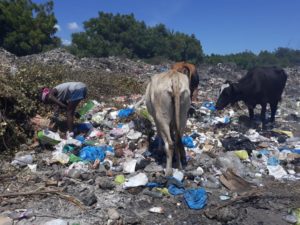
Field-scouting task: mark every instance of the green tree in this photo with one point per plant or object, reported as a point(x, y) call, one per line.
point(123, 35)
point(280, 57)
point(26, 27)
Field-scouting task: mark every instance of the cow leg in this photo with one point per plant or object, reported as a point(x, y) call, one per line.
point(263, 114)
point(179, 152)
point(182, 153)
point(251, 112)
point(273, 107)
point(169, 148)
point(164, 130)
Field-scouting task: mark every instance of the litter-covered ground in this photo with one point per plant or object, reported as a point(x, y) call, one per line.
point(113, 173)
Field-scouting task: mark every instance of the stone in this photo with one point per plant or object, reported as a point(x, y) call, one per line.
point(105, 183)
point(153, 167)
point(88, 199)
point(4, 220)
point(57, 222)
point(113, 214)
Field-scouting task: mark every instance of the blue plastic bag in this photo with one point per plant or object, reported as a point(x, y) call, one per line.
point(109, 149)
point(296, 151)
point(80, 138)
point(209, 105)
point(123, 113)
point(195, 198)
point(273, 161)
point(264, 152)
point(174, 190)
point(153, 185)
point(91, 153)
point(187, 141)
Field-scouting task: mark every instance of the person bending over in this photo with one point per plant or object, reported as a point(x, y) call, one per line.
point(65, 96)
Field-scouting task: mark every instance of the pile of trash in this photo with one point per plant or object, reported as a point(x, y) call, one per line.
point(112, 143)
point(112, 170)
point(111, 64)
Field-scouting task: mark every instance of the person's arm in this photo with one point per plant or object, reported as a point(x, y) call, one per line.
point(53, 99)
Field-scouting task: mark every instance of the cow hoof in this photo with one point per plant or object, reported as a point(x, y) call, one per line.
point(169, 172)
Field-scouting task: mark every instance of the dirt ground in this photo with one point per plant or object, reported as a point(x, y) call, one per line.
point(265, 205)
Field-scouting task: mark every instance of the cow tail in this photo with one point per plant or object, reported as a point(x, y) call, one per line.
point(176, 94)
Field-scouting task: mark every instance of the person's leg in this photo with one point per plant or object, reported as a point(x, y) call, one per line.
point(70, 114)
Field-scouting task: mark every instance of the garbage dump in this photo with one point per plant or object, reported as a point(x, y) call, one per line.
point(112, 170)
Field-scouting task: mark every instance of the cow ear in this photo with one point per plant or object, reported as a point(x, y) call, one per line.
point(228, 82)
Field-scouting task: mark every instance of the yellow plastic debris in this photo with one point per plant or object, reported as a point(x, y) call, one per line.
point(120, 179)
point(164, 191)
point(242, 154)
point(286, 132)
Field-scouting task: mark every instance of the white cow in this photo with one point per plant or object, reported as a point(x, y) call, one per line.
point(168, 101)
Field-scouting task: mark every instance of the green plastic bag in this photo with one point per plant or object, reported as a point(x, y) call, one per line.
point(73, 158)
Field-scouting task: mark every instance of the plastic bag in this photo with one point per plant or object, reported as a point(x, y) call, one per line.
point(123, 113)
point(187, 141)
point(91, 153)
point(209, 105)
point(196, 198)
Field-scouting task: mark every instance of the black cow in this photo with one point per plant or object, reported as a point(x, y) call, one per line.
point(261, 85)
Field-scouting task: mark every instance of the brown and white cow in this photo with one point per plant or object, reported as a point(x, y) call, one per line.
point(191, 71)
point(168, 101)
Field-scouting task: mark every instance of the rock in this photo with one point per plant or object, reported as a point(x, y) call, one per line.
point(113, 214)
point(141, 163)
point(105, 183)
point(86, 176)
point(153, 194)
point(227, 214)
point(88, 199)
point(74, 173)
point(290, 219)
point(119, 152)
point(4, 220)
point(57, 222)
point(132, 220)
point(153, 167)
point(132, 146)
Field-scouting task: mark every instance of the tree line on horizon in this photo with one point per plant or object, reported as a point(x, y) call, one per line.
point(29, 28)
point(281, 57)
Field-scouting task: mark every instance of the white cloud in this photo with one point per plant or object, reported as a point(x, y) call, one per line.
point(57, 27)
point(73, 26)
point(66, 42)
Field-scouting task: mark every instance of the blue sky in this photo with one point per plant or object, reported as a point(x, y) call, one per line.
point(222, 26)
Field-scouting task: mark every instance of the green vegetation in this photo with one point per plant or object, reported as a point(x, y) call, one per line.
point(282, 57)
point(19, 95)
point(26, 27)
point(123, 35)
